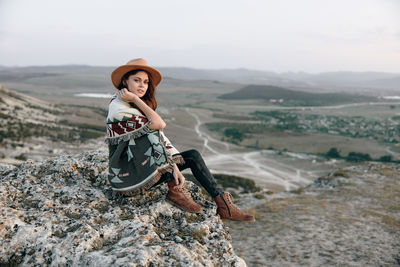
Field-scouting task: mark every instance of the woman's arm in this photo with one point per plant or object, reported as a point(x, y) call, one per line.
point(179, 178)
point(156, 122)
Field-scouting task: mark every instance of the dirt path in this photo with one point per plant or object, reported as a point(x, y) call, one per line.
point(274, 172)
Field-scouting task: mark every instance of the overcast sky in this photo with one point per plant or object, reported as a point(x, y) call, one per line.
point(285, 35)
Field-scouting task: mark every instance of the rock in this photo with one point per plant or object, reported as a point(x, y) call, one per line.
point(61, 211)
point(5, 167)
point(178, 239)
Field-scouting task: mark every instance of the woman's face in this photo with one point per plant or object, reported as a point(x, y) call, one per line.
point(138, 83)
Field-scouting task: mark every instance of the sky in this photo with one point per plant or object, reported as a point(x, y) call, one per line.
point(286, 35)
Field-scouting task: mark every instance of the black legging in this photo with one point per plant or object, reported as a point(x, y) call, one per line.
point(195, 162)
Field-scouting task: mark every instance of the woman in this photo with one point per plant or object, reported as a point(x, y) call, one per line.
point(141, 156)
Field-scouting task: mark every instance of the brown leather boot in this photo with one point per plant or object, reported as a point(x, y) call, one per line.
point(181, 197)
point(227, 210)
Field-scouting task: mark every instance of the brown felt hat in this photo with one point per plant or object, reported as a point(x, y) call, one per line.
point(135, 64)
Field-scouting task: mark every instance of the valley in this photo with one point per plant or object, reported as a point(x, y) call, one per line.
point(279, 146)
point(327, 173)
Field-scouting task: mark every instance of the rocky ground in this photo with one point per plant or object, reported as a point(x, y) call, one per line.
point(61, 212)
point(35, 129)
point(349, 218)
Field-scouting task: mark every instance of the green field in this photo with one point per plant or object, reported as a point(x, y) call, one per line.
point(294, 98)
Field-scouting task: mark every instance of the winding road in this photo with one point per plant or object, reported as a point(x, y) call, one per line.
point(261, 166)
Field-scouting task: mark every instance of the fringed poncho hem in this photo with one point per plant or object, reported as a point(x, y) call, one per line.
point(129, 135)
point(152, 180)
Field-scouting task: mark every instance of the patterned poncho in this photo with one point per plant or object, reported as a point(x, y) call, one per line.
point(138, 156)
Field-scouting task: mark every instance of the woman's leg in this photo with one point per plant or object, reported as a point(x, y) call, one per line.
point(225, 207)
point(195, 162)
point(166, 177)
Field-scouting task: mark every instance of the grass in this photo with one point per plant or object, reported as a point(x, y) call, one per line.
point(296, 125)
point(233, 117)
point(341, 173)
point(84, 126)
point(231, 181)
point(294, 98)
point(15, 130)
point(98, 110)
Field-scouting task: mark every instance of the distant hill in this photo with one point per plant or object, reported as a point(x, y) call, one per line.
point(328, 80)
point(389, 83)
point(61, 69)
point(29, 124)
point(293, 98)
point(17, 108)
point(368, 79)
point(243, 76)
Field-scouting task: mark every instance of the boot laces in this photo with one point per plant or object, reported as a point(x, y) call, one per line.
point(184, 192)
point(229, 198)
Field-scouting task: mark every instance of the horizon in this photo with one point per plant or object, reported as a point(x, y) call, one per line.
point(194, 68)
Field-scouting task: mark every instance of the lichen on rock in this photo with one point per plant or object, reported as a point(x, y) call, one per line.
point(61, 211)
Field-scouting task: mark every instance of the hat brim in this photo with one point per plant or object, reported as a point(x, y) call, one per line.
point(119, 72)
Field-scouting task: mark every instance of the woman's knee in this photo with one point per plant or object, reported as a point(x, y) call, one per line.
point(193, 154)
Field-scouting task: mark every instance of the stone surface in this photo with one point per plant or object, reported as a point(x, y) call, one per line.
point(348, 218)
point(62, 212)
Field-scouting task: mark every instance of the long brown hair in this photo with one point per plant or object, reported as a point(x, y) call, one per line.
point(149, 98)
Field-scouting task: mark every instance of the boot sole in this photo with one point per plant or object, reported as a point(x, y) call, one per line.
point(181, 208)
point(248, 221)
point(227, 219)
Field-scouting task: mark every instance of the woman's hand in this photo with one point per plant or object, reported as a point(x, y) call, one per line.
point(179, 178)
point(157, 122)
point(126, 95)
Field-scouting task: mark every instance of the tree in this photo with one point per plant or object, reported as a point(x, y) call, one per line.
point(387, 158)
point(333, 153)
point(358, 157)
point(234, 133)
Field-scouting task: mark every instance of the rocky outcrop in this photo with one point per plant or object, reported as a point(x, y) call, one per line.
point(62, 212)
point(347, 218)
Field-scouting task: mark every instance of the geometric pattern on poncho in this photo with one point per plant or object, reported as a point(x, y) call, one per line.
point(115, 129)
